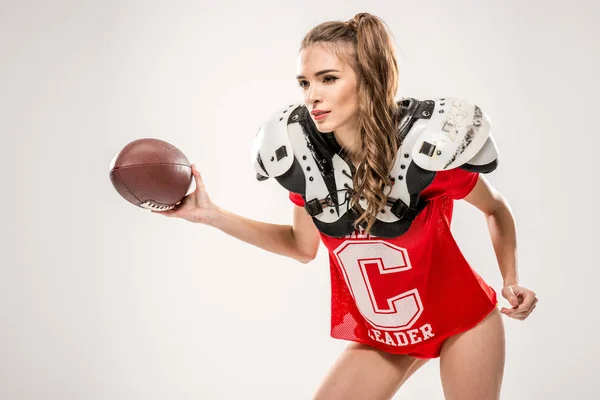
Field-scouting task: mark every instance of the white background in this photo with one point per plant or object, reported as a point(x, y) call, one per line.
point(101, 300)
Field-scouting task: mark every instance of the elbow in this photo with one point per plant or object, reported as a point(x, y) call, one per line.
point(306, 258)
point(305, 248)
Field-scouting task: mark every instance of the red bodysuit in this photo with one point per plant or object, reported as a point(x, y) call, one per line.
point(406, 295)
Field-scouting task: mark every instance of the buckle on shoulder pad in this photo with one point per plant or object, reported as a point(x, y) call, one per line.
point(281, 153)
point(402, 211)
point(427, 149)
point(313, 207)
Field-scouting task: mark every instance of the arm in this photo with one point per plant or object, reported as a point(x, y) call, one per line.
point(501, 226)
point(299, 241)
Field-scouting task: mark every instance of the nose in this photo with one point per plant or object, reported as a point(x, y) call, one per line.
point(313, 96)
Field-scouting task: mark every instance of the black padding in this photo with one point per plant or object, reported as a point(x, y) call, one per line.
point(482, 169)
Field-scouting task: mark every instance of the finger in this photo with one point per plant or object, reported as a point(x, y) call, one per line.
point(522, 303)
point(166, 213)
point(512, 314)
point(520, 314)
point(523, 316)
point(530, 311)
point(511, 296)
point(520, 291)
point(526, 303)
point(526, 310)
point(507, 311)
point(511, 311)
point(524, 313)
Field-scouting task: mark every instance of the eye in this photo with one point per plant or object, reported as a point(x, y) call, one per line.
point(330, 79)
point(303, 84)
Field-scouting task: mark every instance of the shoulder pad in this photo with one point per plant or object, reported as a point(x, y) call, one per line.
point(456, 133)
point(272, 151)
point(486, 160)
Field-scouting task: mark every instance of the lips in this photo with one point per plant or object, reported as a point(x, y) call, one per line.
point(319, 117)
point(316, 113)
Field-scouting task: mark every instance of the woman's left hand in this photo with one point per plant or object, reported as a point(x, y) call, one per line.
point(522, 299)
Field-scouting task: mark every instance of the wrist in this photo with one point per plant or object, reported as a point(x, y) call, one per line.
point(212, 215)
point(511, 281)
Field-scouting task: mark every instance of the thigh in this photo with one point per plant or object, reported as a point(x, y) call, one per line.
point(472, 362)
point(363, 372)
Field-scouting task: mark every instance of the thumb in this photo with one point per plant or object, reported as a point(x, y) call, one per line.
point(196, 173)
point(511, 296)
point(197, 179)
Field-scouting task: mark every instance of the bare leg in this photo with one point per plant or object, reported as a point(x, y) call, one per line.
point(362, 372)
point(472, 362)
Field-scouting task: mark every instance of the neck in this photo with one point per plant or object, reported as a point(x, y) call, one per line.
point(348, 139)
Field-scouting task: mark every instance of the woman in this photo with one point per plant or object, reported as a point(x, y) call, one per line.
point(402, 291)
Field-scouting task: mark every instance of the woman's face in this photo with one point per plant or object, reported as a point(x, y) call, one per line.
point(328, 85)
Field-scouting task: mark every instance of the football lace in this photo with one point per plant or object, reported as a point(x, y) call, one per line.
point(150, 205)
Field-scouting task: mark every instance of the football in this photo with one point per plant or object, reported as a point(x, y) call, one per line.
point(151, 174)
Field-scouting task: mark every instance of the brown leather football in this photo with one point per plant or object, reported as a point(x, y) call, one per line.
point(151, 174)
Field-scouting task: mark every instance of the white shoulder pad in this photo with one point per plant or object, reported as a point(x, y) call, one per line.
point(454, 135)
point(272, 151)
point(487, 154)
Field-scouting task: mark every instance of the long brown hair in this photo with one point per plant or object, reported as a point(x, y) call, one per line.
point(365, 42)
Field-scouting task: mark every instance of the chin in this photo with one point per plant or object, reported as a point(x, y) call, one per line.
point(324, 127)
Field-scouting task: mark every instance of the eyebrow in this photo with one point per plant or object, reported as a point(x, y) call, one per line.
point(318, 73)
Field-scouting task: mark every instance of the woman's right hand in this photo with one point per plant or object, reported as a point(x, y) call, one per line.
point(196, 206)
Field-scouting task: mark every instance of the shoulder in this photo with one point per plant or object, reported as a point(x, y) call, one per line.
point(272, 150)
point(449, 133)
